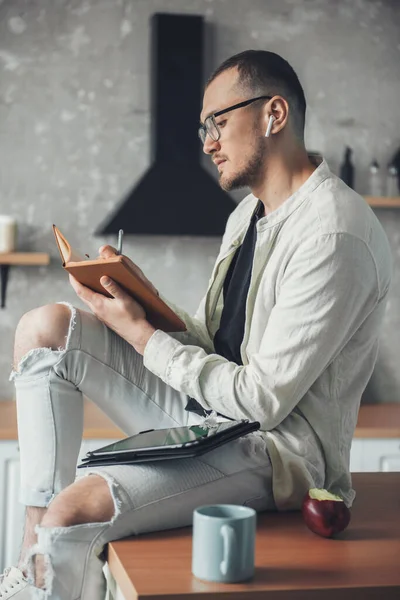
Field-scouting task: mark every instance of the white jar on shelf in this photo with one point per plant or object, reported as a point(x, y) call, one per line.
point(8, 229)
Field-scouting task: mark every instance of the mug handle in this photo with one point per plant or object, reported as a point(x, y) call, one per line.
point(229, 537)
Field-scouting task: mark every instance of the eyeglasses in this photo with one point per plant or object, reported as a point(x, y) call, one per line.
point(210, 125)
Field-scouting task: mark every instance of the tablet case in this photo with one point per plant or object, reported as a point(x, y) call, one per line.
point(89, 272)
point(197, 448)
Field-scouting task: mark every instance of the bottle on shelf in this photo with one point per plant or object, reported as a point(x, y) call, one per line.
point(392, 186)
point(375, 180)
point(347, 168)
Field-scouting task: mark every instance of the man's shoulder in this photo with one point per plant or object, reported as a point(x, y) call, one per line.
point(337, 208)
point(339, 214)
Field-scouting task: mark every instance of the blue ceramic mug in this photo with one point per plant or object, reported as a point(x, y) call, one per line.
point(223, 542)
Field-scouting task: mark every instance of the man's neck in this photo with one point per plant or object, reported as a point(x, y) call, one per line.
point(283, 177)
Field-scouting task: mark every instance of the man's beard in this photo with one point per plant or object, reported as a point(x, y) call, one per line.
point(250, 174)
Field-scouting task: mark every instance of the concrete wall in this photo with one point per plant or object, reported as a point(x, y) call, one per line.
point(74, 128)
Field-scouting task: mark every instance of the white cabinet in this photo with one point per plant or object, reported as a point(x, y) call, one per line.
point(390, 462)
point(375, 454)
point(11, 511)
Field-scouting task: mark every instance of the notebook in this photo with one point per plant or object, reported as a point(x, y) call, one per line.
point(88, 272)
point(166, 444)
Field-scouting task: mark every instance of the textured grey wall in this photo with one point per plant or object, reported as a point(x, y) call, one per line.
point(74, 128)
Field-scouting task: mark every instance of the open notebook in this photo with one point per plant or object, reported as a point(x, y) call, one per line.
point(88, 272)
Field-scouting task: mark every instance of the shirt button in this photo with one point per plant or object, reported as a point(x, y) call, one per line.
point(236, 242)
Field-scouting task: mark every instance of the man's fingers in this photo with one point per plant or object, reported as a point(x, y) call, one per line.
point(107, 251)
point(112, 287)
point(84, 293)
point(78, 287)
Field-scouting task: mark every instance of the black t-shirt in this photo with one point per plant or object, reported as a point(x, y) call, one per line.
point(229, 337)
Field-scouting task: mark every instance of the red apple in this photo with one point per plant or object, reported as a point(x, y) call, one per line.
point(325, 513)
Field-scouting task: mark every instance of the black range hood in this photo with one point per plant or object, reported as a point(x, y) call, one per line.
point(175, 196)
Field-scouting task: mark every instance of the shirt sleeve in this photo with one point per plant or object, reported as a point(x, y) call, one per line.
point(196, 330)
point(328, 289)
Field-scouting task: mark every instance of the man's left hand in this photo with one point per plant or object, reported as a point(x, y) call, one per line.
point(121, 313)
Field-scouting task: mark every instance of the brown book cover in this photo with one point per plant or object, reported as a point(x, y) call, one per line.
point(88, 272)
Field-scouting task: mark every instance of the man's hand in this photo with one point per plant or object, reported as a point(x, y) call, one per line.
point(109, 251)
point(121, 312)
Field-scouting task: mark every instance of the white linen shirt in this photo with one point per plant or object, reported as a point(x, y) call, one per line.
point(321, 273)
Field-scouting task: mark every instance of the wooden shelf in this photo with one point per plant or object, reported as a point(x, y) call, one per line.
point(24, 258)
point(7, 259)
point(383, 202)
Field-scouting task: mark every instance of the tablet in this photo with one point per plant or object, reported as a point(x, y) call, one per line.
point(174, 442)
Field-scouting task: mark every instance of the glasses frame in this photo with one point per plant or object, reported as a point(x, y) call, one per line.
point(203, 129)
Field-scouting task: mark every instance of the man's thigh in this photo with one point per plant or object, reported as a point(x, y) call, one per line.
point(163, 494)
point(111, 373)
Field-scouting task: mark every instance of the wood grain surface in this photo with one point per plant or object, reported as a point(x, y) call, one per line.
point(383, 202)
point(292, 563)
point(374, 421)
point(24, 258)
point(96, 425)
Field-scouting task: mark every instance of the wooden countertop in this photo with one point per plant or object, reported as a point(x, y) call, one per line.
point(96, 425)
point(374, 421)
point(292, 563)
point(378, 421)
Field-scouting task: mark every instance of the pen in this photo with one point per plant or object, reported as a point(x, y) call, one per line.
point(120, 235)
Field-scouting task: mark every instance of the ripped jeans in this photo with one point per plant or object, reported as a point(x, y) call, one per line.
point(147, 497)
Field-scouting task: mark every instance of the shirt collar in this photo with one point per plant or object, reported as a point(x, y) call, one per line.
point(281, 213)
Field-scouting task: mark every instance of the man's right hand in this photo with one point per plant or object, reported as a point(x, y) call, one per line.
point(109, 251)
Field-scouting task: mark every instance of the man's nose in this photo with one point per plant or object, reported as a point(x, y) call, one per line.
point(210, 145)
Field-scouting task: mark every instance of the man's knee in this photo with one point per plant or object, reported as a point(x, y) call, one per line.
point(43, 327)
point(87, 500)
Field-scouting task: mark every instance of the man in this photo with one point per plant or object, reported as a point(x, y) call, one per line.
point(287, 334)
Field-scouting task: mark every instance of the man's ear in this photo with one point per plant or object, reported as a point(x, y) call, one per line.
point(278, 109)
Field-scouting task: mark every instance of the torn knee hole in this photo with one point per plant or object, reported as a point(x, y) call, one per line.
point(72, 322)
point(33, 354)
point(112, 487)
point(39, 570)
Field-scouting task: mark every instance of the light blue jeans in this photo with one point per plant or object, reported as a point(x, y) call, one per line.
point(147, 497)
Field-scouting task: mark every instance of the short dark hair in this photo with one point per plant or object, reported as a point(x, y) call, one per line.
point(263, 72)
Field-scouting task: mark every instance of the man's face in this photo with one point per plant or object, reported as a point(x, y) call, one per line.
point(241, 146)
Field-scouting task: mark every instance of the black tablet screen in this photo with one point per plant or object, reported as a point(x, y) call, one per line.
point(165, 437)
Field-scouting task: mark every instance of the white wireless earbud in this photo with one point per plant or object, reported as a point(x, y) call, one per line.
point(270, 123)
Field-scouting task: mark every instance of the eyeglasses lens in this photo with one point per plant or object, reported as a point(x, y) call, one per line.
point(210, 128)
